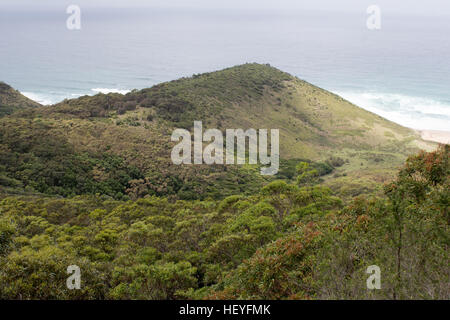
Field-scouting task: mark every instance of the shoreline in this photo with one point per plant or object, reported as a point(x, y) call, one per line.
point(438, 136)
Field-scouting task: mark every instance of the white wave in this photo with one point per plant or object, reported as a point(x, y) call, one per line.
point(55, 97)
point(42, 99)
point(409, 111)
point(107, 90)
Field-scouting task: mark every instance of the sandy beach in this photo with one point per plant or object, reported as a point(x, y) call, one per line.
point(435, 135)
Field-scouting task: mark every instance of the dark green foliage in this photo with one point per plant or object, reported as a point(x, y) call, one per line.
point(47, 163)
point(323, 168)
point(5, 110)
point(285, 242)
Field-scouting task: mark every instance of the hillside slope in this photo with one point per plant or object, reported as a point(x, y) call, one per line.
point(120, 145)
point(12, 100)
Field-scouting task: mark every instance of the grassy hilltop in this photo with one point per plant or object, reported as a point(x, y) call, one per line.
point(119, 145)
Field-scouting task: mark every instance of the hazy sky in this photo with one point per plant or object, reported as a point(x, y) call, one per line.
point(407, 7)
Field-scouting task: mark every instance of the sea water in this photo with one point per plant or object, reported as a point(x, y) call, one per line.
point(401, 72)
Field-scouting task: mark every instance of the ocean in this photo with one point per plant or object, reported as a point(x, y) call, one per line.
point(401, 72)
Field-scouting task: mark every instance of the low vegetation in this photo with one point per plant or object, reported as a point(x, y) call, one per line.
point(288, 241)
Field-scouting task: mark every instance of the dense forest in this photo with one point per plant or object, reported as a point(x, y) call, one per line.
point(89, 182)
point(288, 241)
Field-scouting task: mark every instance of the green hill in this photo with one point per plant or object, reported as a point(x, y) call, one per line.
point(120, 145)
point(12, 100)
point(89, 182)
